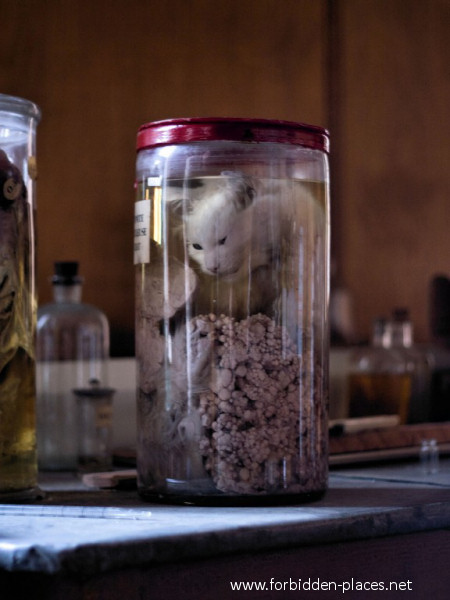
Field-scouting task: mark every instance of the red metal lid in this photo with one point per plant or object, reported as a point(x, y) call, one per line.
point(178, 131)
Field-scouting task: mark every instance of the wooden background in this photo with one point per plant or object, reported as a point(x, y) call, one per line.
point(375, 72)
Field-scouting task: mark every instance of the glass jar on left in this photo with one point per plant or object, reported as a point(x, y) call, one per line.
point(18, 302)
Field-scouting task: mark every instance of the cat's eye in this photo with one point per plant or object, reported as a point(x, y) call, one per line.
point(197, 246)
point(222, 241)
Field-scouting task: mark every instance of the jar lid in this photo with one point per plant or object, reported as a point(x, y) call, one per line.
point(178, 131)
point(95, 394)
point(15, 104)
point(95, 391)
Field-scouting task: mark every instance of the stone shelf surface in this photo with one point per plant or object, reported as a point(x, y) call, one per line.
point(78, 532)
point(77, 529)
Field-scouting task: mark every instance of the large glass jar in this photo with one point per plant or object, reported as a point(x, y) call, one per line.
point(18, 464)
point(231, 256)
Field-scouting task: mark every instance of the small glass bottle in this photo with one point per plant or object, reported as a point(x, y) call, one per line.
point(95, 412)
point(429, 456)
point(72, 350)
point(379, 379)
point(419, 363)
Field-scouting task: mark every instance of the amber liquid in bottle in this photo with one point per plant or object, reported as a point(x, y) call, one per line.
point(380, 394)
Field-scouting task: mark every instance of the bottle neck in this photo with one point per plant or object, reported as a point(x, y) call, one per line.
point(380, 334)
point(67, 293)
point(401, 334)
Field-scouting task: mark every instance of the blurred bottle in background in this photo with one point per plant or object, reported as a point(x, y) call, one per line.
point(419, 362)
point(440, 331)
point(72, 351)
point(379, 380)
point(342, 326)
point(95, 412)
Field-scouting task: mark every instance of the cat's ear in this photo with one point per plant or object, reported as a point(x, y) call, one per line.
point(178, 200)
point(180, 207)
point(242, 188)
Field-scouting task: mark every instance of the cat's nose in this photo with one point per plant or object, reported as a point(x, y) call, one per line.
point(212, 265)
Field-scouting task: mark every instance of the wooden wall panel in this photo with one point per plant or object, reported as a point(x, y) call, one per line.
point(394, 154)
point(100, 69)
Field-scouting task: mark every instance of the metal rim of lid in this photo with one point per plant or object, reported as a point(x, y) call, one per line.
point(196, 129)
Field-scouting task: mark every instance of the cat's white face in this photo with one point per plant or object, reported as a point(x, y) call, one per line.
point(219, 232)
point(225, 234)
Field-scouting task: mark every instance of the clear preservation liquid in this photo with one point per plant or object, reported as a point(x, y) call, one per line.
point(230, 337)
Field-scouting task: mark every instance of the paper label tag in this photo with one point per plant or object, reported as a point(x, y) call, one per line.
point(154, 181)
point(142, 231)
point(103, 415)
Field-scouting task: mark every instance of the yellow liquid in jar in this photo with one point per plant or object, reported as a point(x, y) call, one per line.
point(18, 465)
